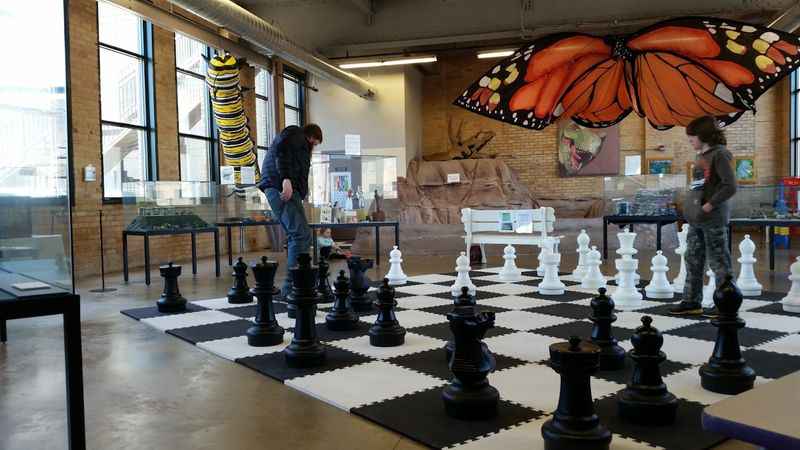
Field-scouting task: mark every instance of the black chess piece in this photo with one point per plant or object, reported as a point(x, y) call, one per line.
point(646, 400)
point(386, 331)
point(463, 306)
point(171, 300)
point(265, 330)
point(305, 350)
point(612, 356)
point(341, 316)
point(726, 372)
point(574, 424)
point(323, 284)
point(469, 395)
point(359, 283)
point(240, 292)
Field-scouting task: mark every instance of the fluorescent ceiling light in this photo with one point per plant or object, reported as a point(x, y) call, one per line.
point(392, 62)
point(495, 54)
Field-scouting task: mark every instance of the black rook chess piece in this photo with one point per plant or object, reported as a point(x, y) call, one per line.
point(463, 306)
point(323, 284)
point(341, 316)
point(612, 356)
point(646, 400)
point(726, 372)
point(171, 299)
point(265, 330)
point(305, 350)
point(239, 293)
point(359, 283)
point(574, 424)
point(469, 395)
point(386, 331)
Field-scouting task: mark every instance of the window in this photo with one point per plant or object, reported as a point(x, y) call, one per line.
point(794, 126)
point(196, 130)
point(127, 117)
point(293, 98)
point(265, 126)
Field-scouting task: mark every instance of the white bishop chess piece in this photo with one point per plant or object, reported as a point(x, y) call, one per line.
point(708, 290)
point(510, 272)
point(462, 279)
point(791, 303)
point(396, 275)
point(747, 282)
point(583, 250)
point(659, 286)
point(551, 284)
point(680, 281)
point(593, 279)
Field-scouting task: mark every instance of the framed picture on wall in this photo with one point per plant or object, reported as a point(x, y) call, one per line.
point(744, 167)
point(659, 166)
point(587, 151)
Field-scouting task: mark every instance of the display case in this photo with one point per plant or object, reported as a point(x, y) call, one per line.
point(644, 195)
point(351, 181)
point(165, 206)
point(777, 199)
point(242, 204)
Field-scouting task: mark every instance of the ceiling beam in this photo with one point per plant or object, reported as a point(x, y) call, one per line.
point(367, 7)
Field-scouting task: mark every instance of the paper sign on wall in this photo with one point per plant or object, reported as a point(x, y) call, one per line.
point(248, 175)
point(226, 175)
point(453, 178)
point(352, 144)
point(633, 165)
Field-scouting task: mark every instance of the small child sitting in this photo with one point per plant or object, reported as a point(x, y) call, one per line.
point(328, 247)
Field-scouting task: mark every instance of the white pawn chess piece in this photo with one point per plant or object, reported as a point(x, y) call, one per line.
point(462, 279)
point(708, 290)
point(594, 278)
point(626, 296)
point(510, 272)
point(583, 250)
point(791, 303)
point(396, 275)
point(680, 281)
point(746, 281)
point(659, 286)
point(551, 284)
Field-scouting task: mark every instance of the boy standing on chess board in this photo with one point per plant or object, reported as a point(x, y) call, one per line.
point(707, 210)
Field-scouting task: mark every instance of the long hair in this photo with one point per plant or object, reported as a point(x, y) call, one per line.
point(707, 130)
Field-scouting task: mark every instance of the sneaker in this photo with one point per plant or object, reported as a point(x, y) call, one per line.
point(711, 313)
point(686, 309)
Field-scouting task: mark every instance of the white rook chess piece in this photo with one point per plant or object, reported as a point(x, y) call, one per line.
point(746, 282)
point(594, 278)
point(396, 275)
point(462, 279)
point(708, 290)
point(551, 284)
point(680, 281)
point(659, 286)
point(510, 272)
point(583, 250)
point(791, 303)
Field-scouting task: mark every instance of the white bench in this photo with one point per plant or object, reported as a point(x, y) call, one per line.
point(490, 226)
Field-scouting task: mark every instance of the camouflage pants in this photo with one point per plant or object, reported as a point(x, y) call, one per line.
point(705, 245)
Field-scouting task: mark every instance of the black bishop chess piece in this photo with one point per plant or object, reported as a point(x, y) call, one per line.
point(574, 424)
point(612, 356)
point(463, 306)
point(265, 331)
point(646, 400)
point(726, 372)
point(323, 284)
point(239, 292)
point(171, 300)
point(469, 395)
point(359, 283)
point(386, 331)
point(305, 350)
point(341, 317)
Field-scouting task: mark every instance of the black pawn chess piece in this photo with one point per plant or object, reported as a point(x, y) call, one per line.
point(305, 350)
point(726, 372)
point(359, 283)
point(265, 330)
point(469, 395)
point(341, 316)
point(239, 292)
point(464, 306)
point(612, 356)
point(386, 331)
point(646, 400)
point(574, 424)
point(171, 299)
point(323, 284)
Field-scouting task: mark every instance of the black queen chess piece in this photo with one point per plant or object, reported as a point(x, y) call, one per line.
point(359, 283)
point(574, 424)
point(323, 284)
point(386, 331)
point(463, 306)
point(469, 395)
point(341, 316)
point(239, 292)
point(171, 300)
point(726, 372)
point(646, 400)
point(265, 331)
point(612, 356)
point(305, 350)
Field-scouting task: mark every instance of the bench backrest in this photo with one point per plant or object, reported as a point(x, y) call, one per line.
point(488, 220)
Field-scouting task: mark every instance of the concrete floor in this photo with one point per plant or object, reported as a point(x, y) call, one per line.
point(148, 390)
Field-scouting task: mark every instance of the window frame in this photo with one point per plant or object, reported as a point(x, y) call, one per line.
point(794, 132)
point(269, 127)
point(298, 78)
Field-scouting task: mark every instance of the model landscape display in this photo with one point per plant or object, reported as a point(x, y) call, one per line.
point(166, 218)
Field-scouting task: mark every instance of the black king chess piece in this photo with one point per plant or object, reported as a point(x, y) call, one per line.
point(323, 284)
point(463, 306)
point(359, 283)
point(469, 395)
point(239, 292)
point(265, 330)
point(386, 331)
point(612, 356)
point(726, 372)
point(646, 400)
point(305, 350)
point(341, 316)
point(574, 423)
point(171, 299)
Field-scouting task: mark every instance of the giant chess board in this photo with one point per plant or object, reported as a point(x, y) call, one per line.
point(400, 387)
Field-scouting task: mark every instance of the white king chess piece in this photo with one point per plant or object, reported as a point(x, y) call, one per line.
point(680, 281)
point(791, 303)
point(462, 279)
point(510, 272)
point(659, 286)
point(746, 282)
point(594, 278)
point(396, 275)
point(708, 290)
point(626, 239)
point(583, 250)
point(551, 284)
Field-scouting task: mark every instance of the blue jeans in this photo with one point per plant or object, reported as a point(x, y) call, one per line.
point(293, 219)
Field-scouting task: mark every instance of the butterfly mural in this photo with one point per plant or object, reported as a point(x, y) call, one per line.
point(670, 73)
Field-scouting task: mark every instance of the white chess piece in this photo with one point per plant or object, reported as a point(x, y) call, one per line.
point(746, 281)
point(626, 296)
point(791, 303)
point(708, 290)
point(583, 250)
point(462, 279)
point(551, 284)
point(659, 286)
point(510, 272)
point(396, 275)
point(680, 281)
point(594, 278)
point(626, 240)
point(542, 251)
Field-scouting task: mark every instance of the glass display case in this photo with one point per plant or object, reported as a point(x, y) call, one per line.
point(644, 195)
point(164, 206)
point(242, 204)
point(350, 181)
point(776, 200)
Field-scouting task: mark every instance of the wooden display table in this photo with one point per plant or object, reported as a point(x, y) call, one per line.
point(146, 234)
point(242, 224)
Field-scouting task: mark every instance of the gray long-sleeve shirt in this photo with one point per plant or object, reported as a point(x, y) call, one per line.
point(715, 183)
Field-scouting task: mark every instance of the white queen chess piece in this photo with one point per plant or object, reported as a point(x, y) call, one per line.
point(551, 284)
point(680, 281)
point(396, 275)
point(746, 281)
point(791, 303)
point(510, 272)
point(659, 286)
point(462, 279)
point(583, 250)
point(708, 290)
point(594, 278)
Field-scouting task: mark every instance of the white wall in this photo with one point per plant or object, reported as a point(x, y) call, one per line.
point(413, 104)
